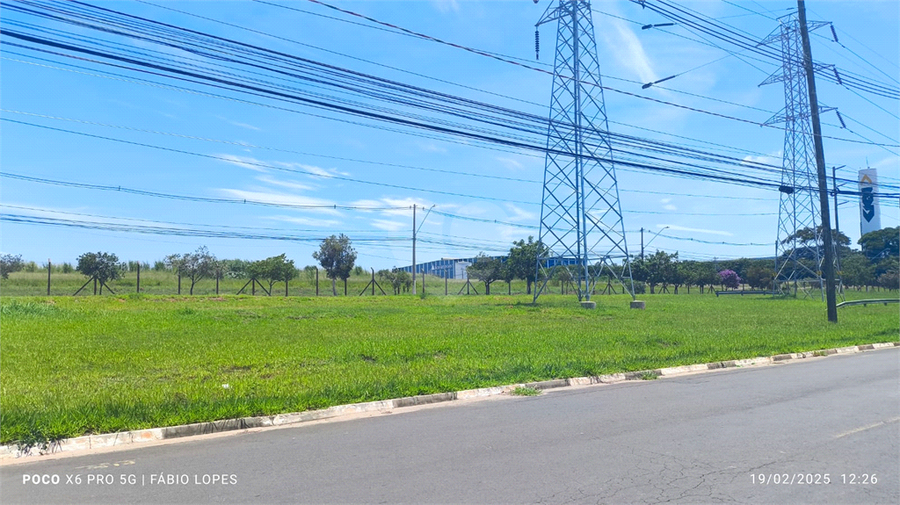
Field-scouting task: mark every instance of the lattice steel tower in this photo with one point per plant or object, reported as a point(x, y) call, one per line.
point(581, 218)
point(799, 214)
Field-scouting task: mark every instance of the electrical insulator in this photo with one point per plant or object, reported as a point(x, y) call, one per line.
point(537, 44)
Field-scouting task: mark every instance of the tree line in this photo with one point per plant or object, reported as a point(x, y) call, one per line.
point(874, 264)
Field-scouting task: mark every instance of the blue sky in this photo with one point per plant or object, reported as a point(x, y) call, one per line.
point(313, 157)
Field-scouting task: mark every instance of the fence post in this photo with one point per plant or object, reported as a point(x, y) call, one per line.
point(217, 283)
point(49, 267)
point(95, 285)
point(317, 281)
point(285, 287)
point(138, 277)
point(345, 287)
point(445, 285)
point(179, 284)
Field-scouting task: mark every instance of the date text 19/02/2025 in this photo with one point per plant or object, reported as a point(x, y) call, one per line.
point(787, 479)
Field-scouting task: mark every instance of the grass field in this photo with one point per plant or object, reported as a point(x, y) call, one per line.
point(166, 283)
point(78, 365)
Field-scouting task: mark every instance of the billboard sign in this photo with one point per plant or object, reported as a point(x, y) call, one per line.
point(869, 213)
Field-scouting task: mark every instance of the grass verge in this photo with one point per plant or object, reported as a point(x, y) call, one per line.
point(74, 366)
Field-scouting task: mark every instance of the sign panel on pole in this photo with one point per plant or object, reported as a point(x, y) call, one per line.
point(869, 213)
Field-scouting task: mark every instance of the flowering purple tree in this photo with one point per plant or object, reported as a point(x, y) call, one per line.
point(730, 279)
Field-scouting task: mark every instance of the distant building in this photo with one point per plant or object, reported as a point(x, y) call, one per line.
point(447, 268)
point(455, 268)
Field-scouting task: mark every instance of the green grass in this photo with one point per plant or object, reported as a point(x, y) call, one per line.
point(525, 391)
point(166, 283)
point(78, 365)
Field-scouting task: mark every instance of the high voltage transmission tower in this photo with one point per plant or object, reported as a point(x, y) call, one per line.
point(799, 214)
point(581, 218)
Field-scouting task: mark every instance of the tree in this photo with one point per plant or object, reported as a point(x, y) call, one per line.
point(808, 246)
point(729, 279)
point(336, 255)
point(659, 266)
point(857, 271)
point(522, 260)
point(886, 273)
point(639, 270)
point(675, 274)
point(486, 270)
point(273, 269)
point(309, 273)
point(760, 277)
point(234, 269)
point(195, 266)
point(690, 272)
point(101, 267)
point(398, 279)
point(706, 275)
point(880, 244)
point(889, 280)
point(10, 264)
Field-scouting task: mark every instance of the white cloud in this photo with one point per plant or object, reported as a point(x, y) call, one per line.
point(695, 230)
point(769, 159)
point(239, 124)
point(628, 51)
point(245, 125)
point(266, 166)
point(402, 206)
point(384, 224)
point(509, 163)
point(520, 214)
point(890, 161)
point(432, 148)
point(670, 207)
point(243, 161)
point(314, 170)
point(285, 184)
point(508, 233)
point(367, 203)
point(445, 6)
point(306, 221)
point(283, 199)
point(665, 200)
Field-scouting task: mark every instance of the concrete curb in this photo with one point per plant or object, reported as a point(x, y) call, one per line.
point(245, 423)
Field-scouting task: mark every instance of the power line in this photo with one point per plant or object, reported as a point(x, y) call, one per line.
point(184, 232)
point(358, 112)
point(499, 58)
point(693, 20)
point(176, 223)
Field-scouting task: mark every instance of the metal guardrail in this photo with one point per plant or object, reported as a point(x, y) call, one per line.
point(743, 292)
point(884, 301)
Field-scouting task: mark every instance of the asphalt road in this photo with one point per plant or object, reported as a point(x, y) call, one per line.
point(757, 435)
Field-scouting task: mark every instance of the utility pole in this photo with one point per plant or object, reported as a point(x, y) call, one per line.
point(837, 228)
point(834, 184)
point(827, 239)
point(414, 252)
point(642, 244)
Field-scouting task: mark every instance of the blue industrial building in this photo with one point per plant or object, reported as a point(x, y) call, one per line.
point(450, 268)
